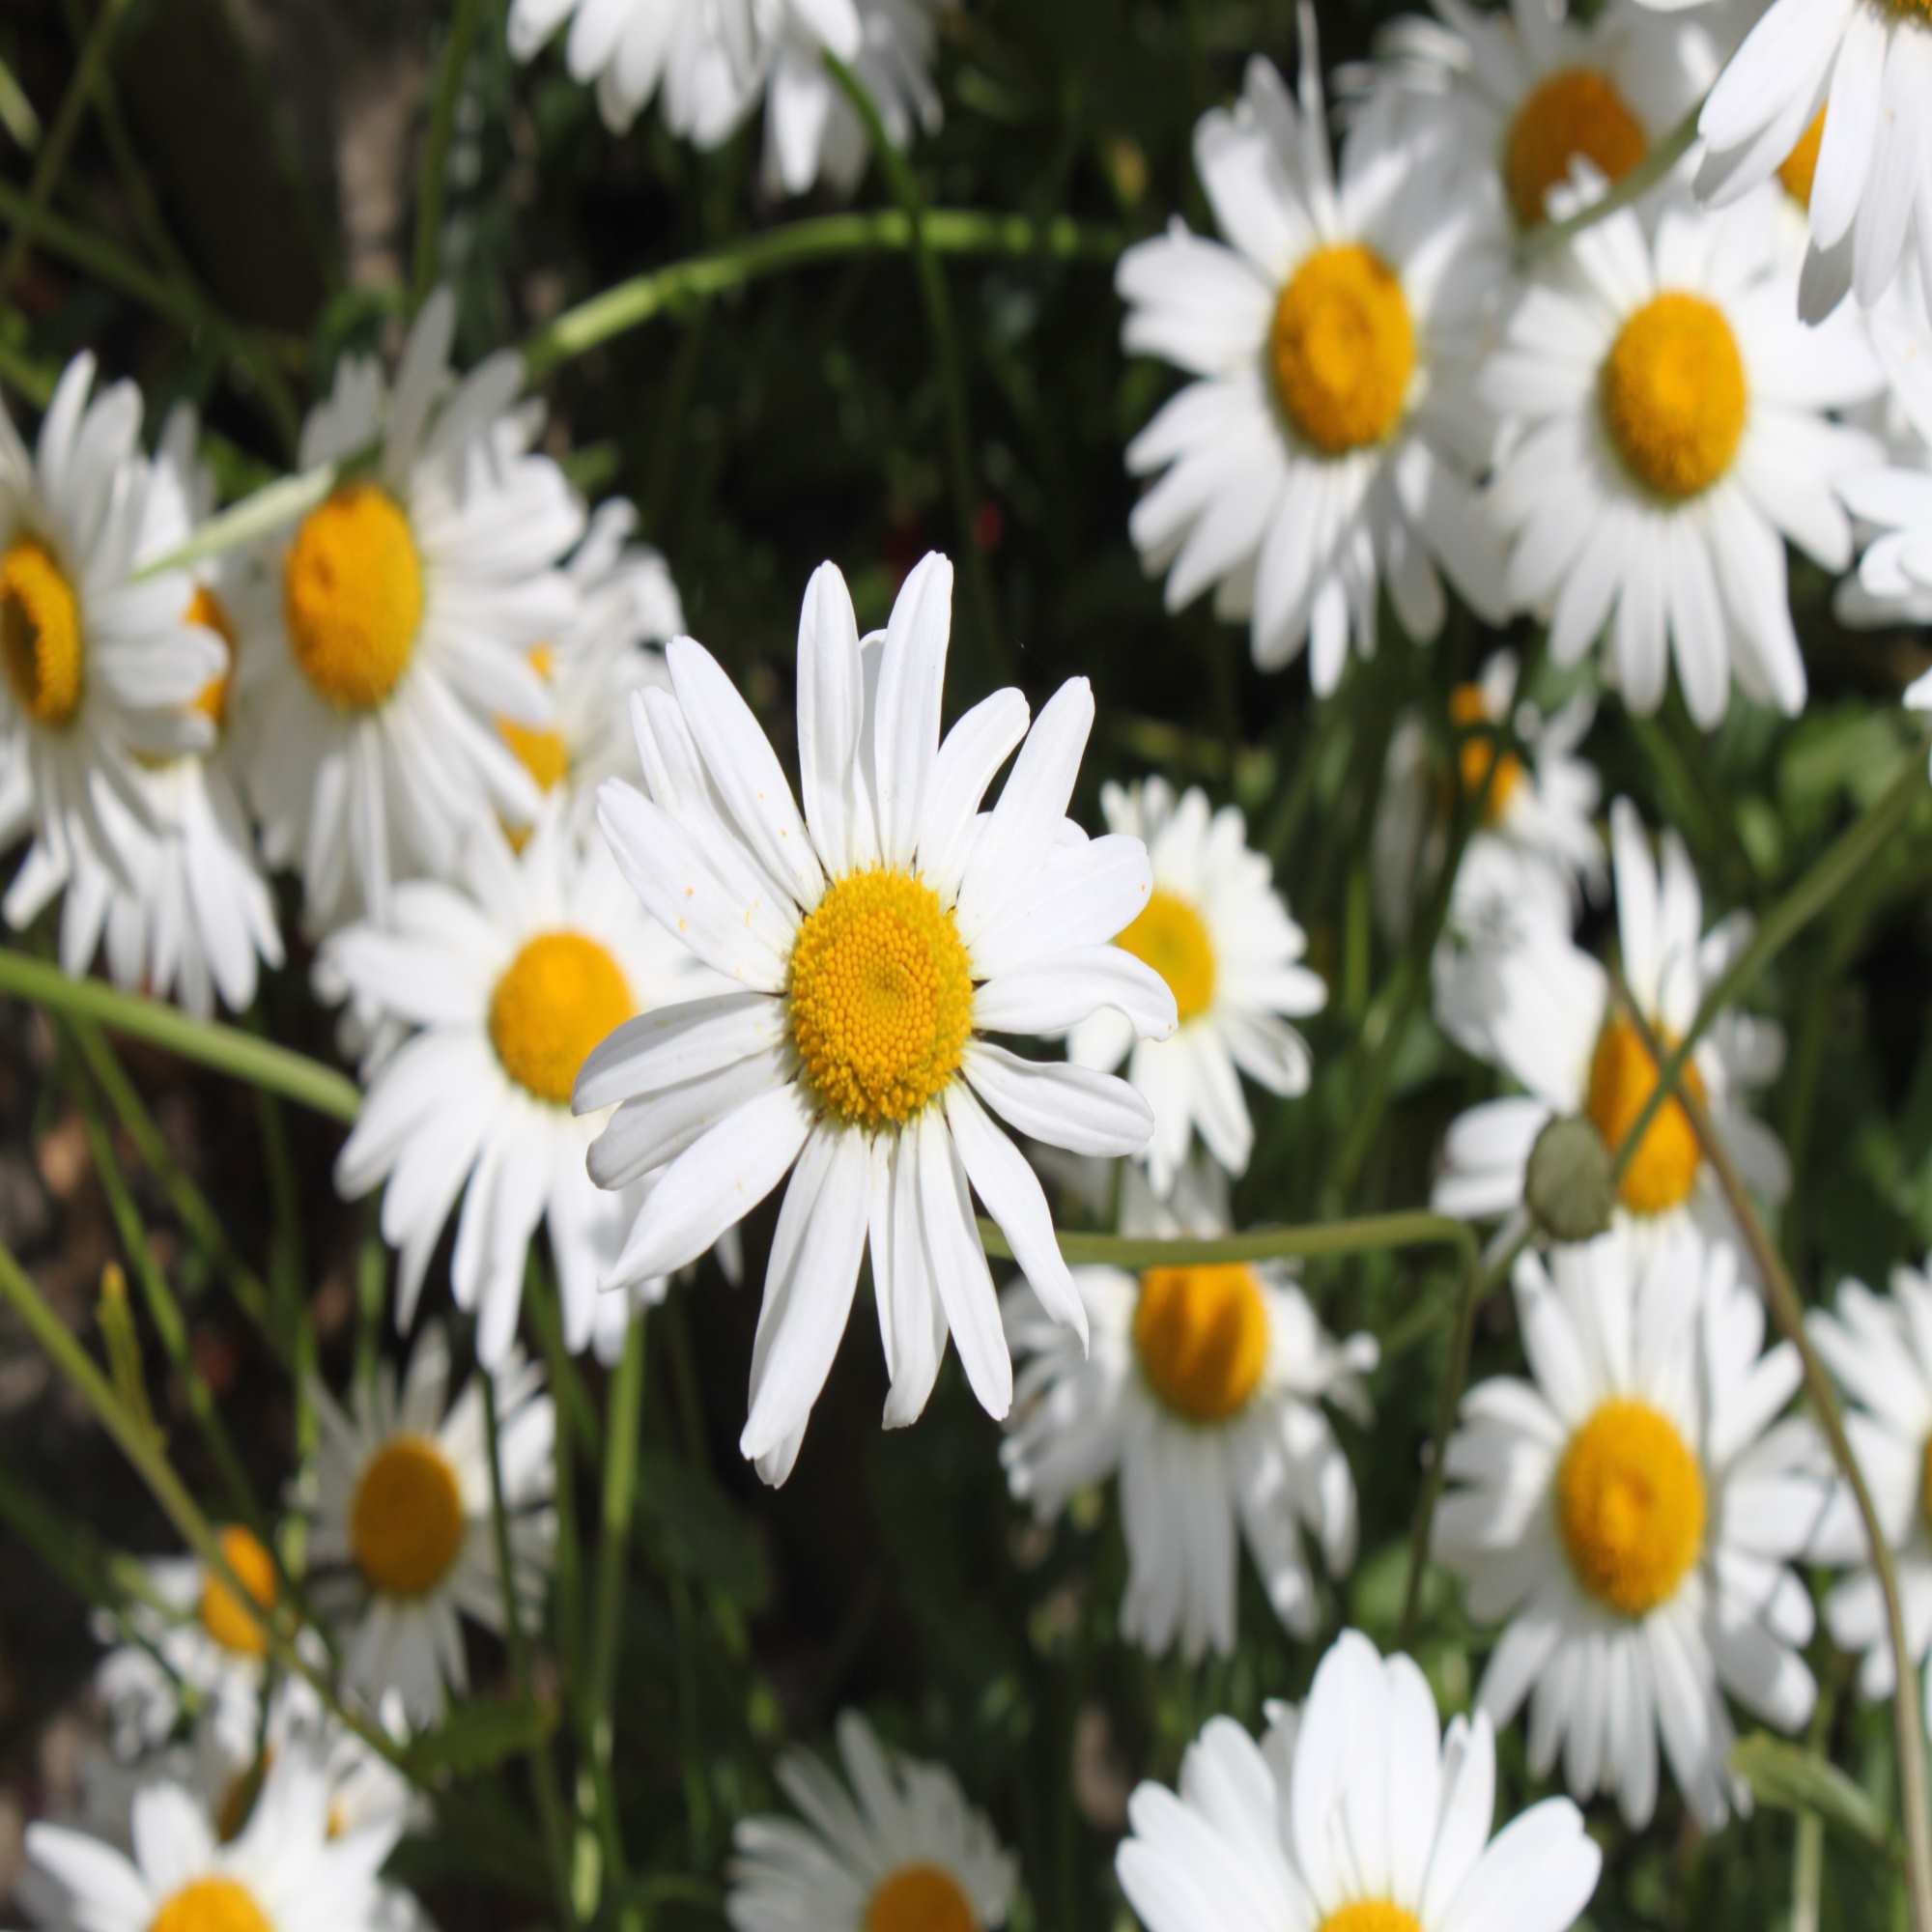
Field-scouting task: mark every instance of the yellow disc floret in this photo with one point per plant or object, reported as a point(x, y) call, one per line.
point(1343, 349)
point(40, 634)
point(562, 995)
point(880, 992)
point(1372, 1915)
point(540, 749)
point(207, 610)
point(1630, 1505)
point(212, 1905)
point(353, 596)
point(1623, 1076)
point(1475, 756)
point(1799, 169)
point(405, 1523)
point(919, 1898)
point(1168, 935)
point(1674, 395)
point(223, 1614)
point(1575, 114)
point(1201, 1336)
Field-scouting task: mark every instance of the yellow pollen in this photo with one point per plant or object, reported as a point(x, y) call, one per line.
point(1674, 395)
point(1800, 168)
point(881, 998)
point(1623, 1076)
point(1630, 1503)
point(559, 997)
point(540, 749)
point(208, 612)
point(1342, 346)
point(1475, 756)
point(1201, 1336)
point(212, 1905)
point(1919, 10)
point(223, 1614)
point(919, 1898)
point(1371, 1915)
point(1575, 114)
point(353, 595)
point(405, 1524)
point(1168, 935)
point(40, 634)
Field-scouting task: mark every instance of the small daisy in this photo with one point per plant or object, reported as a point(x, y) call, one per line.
point(874, 939)
point(1354, 1814)
point(1330, 440)
point(898, 1851)
point(512, 972)
point(1202, 1389)
point(1671, 435)
point(1220, 935)
point(1541, 1009)
point(402, 1511)
point(1893, 584)
point(392, 629)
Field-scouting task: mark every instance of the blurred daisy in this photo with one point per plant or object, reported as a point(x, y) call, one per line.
point(1671, 435)
point(1352, 1814)
point(1541, 1009)
point(512, 974)
point(392, 629)
point(898, 1851)
point(1202, 1389)
point(1326, 444)
point(1634, 1513)
point(1893, 585)
point(874, 939)
point(1218, 931)
point(402, 1511)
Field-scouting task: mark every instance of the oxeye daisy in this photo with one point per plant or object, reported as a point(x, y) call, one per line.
point(1218, 931)
point(392, 630)
point(892, 1846)
point(1327, 445)
point(873, 938)
point(1353, 1813)
point(1670, 435)
point(1633, 1513)
point(402, 1538)
point(1893, 584)
point(1542, 1010)
point(1203, 1390)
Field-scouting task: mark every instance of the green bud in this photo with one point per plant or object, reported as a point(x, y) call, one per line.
point(1568, 1184)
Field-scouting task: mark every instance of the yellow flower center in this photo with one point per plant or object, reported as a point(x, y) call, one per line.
point(1630, 1502)
point(541, 749)
point(559, 997)
point(881, 998)
point(353, 595)
point(1168, 935)
point(208, 612)
point(1577, 114)
point(405, 1524)
point(223, 1614)
point(1623, 1076)
point(1674, 395)
point(1475, 756)
point(1201, 1335)
point(212, 1905)
point(1342, 348)
point(1800, 168)
point(40, 634)
point(919, 1898)
point(1372, 1915)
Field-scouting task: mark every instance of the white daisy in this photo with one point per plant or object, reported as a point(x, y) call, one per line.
point(1203, 1390)
point(512, 972)
point(1354, 1814)
point(1328, 441)
point(1893, 584)
point(392, 629)
point(1671, 435)
point(402, 1515)
point(1541, 1009)
point(1220, 935)
point(898, 1851)
point(1634, 1513)
point(874, 939)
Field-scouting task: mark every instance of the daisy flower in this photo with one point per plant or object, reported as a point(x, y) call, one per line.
point(1670, 434)
point(1202, 1389)
point(511, 973)
point(892, 1847)
point(1540, 1008)
point(873, 939)
point(392, 629)
point(1220, 935)
point(402, 1513)
point(1633, 1514)
point(1893, 584)
point(1354, 1814)
point(1327, 440)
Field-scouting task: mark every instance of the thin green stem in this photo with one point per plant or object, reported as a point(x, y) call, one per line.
point(1548, 238)
point(1448, 1400)
point(1325, 1239)
point(261, 514)
point(433, 183)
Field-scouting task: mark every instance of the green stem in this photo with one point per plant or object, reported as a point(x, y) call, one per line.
point(1548, 236)
point(258, 514)
point(433, 185)
point(1325, 1239)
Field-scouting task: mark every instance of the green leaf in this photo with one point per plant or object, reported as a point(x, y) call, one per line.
point(1787, 1778)
point(696, 1529)
point(477, 1737)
